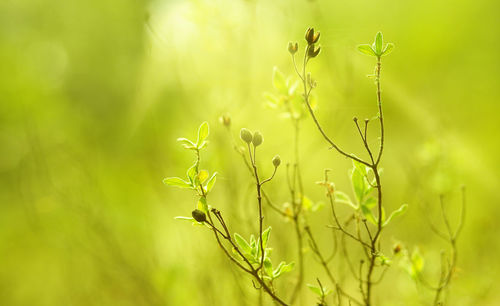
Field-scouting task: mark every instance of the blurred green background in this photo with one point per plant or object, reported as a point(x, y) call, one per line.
point(93, 95)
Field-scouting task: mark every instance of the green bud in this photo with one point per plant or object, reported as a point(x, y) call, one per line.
point(199, 215)
point(246, 135)
point(257, 139)
point(276, 161)
point(293, 48)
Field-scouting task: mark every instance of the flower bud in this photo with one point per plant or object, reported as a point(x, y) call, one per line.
point(293, 48)
point(397, 249)
point(276, 161)
point(225, 120)
point(313, 51)
point(257, 139)
point(246, 135)
point(199, 215)
point(355, 119)
point(312, 37)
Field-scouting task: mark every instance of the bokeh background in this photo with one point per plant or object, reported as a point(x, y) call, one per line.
point(93, 95)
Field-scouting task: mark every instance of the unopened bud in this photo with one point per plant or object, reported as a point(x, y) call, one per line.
point(276, 161)
point(355, 119)
point(246, 135)
point(257, 139)
point(225, 120)
point(293, 48)
point(312, 37)
point(313, 51)
point(397, 249)
point(199, 215)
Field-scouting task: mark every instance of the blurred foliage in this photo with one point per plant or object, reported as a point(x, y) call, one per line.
point(93, 95)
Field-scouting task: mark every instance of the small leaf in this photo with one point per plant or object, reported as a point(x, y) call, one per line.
point(283, 268)
point(388, 49)
point(279, 81)
point(242, 244)
point(185, 218)
point(317, 206)
point(306, 203)
point(202, 205)
point(341, 197)
point(401, 210)
point(176, 182)
point(370, 202)
point(265, 237)
point(378, 43)
point(268, 266)
point(366, 49)
point(186, 143)
point(202, 176)
point(202, 133)
point(358, 184)
point(417, 264)
point(271, 99)
point(315, 289)
point(368, 214)
point(211, 182)
point(191, 174)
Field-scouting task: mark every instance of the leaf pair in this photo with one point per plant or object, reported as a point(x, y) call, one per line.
point(203, 132)
point(377, 48)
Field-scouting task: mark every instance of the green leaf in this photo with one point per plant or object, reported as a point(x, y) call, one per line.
point(306, 203)
point(185, 218)
point(378, 43)
point(388, 49)
point(242, 244)
point(287, 267)
point(341, 197)
point(271, 99)
point(279, 81)
point(317, 206)
point(283, 268)
point(370, 202)
point(358, 184)
point(202, 176)
point(202, 205)
point(211, 182)
point(366, 49)
point(368, 214)
point(176, 182)
point(417, 264)
point(191, 174)
point(401, 210)
point(265, 237)
point(186, 143)
point(202, 133)
point(315, 289)
point(268, 266)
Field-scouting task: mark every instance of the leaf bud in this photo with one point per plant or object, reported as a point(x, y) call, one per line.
point(199, 215)
point(276, 161)
point(246, 135)
point(257, 139)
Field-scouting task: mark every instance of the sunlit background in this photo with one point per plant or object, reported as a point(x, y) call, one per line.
point(93, 95)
